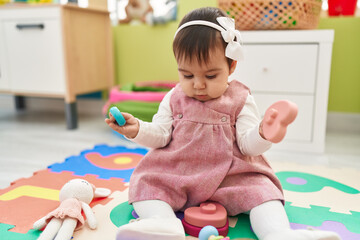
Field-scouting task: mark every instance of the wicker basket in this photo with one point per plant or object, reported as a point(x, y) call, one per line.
point(273, 14)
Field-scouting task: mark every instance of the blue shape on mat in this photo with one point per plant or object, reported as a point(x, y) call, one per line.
point(80, 166)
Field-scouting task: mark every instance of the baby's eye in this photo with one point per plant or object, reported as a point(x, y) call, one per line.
point(210, 76)
point(188, 76)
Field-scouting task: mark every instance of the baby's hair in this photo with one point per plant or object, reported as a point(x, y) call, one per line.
point(197, 40)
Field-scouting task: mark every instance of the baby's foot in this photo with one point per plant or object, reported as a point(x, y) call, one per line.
point(152, 229)
point(303, 234)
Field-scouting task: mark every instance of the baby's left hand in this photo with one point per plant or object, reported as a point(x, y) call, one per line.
point(277, 117)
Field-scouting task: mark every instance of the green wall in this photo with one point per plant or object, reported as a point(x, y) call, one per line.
point(344, 93)
point(144, 53)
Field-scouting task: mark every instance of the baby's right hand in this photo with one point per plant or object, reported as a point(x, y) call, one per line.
point(129, 130)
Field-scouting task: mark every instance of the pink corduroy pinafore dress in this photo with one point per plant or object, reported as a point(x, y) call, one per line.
point(202, 162)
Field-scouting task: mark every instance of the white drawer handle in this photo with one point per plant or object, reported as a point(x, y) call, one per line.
point(40, 26)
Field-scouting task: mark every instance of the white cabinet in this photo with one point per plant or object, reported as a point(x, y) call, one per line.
point(30, 39)
point(57, 51)
point(293, 65)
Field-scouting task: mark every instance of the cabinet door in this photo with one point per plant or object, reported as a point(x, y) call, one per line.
point(35, 55)
point(279, 68)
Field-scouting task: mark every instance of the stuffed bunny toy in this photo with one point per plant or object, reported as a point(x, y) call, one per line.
point(75, 197)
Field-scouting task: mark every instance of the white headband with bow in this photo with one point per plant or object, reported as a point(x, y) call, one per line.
point(228, 32)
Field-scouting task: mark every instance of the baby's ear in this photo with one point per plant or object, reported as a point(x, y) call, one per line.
point(101, 192)
point(232, 67)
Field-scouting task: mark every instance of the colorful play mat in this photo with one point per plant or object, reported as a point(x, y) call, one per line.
point(316, 196)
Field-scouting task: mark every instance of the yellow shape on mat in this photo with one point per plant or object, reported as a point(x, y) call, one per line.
point(31, 191)
point(123, 160)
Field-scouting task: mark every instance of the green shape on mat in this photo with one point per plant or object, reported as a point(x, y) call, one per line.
point(121, 214)
point(242, 228)
point(142, 110)
point(316, 215)
point(6, 234)
point(313, 183)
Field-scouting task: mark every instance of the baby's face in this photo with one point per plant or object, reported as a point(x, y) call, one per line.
point(205, 81)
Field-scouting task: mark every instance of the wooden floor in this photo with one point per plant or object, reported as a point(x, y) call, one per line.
point(33, 139)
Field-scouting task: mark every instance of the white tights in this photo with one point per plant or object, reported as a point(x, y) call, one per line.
point(265, 218)
point(269, 217)
point(268, 220)
point(152, 208)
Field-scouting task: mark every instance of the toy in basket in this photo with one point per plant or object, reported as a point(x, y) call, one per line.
point(273, 14)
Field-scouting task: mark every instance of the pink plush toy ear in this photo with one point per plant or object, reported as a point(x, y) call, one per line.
point(277, 117)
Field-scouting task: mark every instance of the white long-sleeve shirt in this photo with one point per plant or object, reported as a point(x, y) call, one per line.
point(157, 134)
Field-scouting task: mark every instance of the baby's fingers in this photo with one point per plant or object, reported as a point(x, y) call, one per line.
point(130, 119)
point(108, 120)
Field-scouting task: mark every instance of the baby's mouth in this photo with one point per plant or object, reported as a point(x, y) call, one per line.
point(201, 96)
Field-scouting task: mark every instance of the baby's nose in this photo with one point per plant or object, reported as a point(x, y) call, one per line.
point(199, 84)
